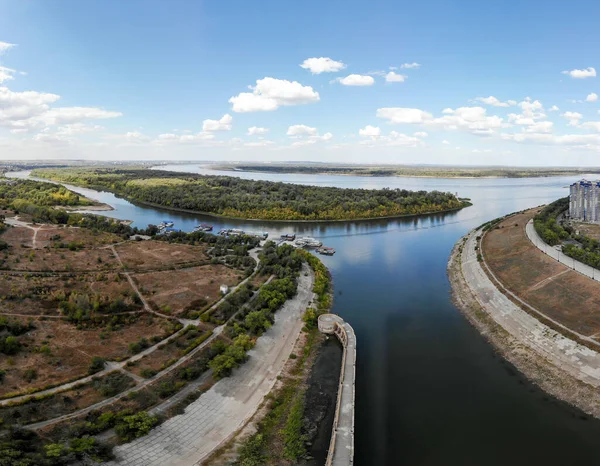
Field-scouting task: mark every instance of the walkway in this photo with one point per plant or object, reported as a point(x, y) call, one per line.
point(555, 253)
point(341, 447)
point(577, 360)
point(209, 422)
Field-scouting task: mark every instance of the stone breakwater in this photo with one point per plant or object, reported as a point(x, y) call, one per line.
point(341, 447)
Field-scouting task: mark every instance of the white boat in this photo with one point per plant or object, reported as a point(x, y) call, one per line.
point(308, 242)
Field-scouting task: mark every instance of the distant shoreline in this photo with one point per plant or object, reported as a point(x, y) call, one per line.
point(511, 173)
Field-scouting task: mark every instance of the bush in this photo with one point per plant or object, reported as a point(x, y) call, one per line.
point(135, 425)
point(96, 365)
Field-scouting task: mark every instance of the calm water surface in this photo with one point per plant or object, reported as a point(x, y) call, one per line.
point(430, 390)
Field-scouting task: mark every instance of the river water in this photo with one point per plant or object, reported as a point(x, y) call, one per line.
point(430, 390)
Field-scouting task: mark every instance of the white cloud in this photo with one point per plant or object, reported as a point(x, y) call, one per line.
point(399, 115)
point(261, 143)
point(554, 108)
point(410, 65)
point(593, 97)
point(573, 117)
point(183, 138)
point(224, 124)
point(472, 119)
point(370, 131)
point(65, 115)
point(392, 77)
point(305, 135)
point(135, 137)
point(257, 131)
point(301, 130)
point(539, 127)
point(4, 46)
point(269, 94)
point(445, 142)
point(322, 65)
point(356, 80)
point(6, 74)
point(582, 74)
point(595, 125)
point(494, 102)
point(552, 139)
point(420, 134)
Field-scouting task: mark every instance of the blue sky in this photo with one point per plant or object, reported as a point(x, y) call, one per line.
point(187, 79)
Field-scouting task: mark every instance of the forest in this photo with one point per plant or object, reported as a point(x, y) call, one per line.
point(250, 199)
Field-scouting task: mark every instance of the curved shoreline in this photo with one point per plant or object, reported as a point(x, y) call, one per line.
point(536, 367)
point(227, 217)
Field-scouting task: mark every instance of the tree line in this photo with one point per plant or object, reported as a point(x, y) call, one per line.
point(235, 197)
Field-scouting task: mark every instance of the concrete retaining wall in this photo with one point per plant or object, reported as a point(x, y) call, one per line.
point(341, 447)
point(555, 253)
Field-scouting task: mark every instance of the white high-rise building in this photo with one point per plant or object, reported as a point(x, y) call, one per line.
point(584, 202)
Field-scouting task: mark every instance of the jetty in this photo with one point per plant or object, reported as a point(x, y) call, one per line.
point(341, 446)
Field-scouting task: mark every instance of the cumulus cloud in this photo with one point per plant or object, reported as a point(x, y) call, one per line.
point(224, 124)
point(445, 142)
point(572, 117)
point(322, 65)
point(410, 65)
point(593, 97)
point(257, 131)
point(582, 74)
point(399, 115)
point(4, 46)
point(30, 109)
point(301, 130)
point(420, 134)
point(494, 102)
point(305, 135)
point(554, 108)
point(392, 77)
point(370, 131)
point(269, 94)
point(357, 80)
point(472, 119)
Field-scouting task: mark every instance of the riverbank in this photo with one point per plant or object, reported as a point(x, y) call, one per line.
point(225, 217)
point(535, 365)
point(405, 172)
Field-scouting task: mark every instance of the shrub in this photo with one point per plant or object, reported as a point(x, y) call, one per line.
point(96, 365)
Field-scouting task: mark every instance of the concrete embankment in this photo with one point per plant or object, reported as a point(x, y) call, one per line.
point(341, 447)
point(559, 365)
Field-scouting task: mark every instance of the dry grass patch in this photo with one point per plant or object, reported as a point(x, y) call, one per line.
point(186, 289)
point(550, 287)
point(70, 349)
point(149, 255)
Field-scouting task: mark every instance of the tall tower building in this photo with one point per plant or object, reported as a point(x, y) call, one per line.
point(584, 201)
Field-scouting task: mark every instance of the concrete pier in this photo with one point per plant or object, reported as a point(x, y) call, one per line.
point(341, 447)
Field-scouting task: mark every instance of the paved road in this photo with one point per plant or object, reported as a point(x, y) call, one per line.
point(577, 360)
point(555, 253)
point(210, 421)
